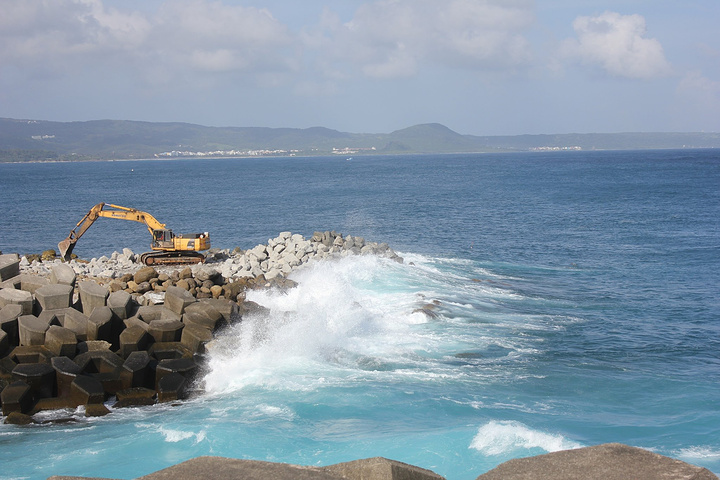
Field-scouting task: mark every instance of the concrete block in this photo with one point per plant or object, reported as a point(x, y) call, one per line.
point(171, 387)
point(98, 361)
point(183, 366)
point(105, 366)
point(166, 330)
point(30, 283)
point(227, 308)
point(100, 325)
point(120, 303)
point(92, 296)
point(136, 321)
point(169, 351)
point(12, 283)
point(135, 397)
point(16, 397)
point(137, 371)
point(31, 330)
point(168, 314)
point(379, 468)
point(195, 337)
point(61, 341)
point(4, 343)
point(9, 296)
point(132, 339)
point(148, 313)
point(204, 315)
point(9, 266)
point(39, 376)
point(93, 345)
point(31, 354)
point(8, 321)
point(85, 390)
point(177, 299)
point(53, 297)
point(65, 372)
point(50, 317)
point(77, 322)
point(58, 314)
point(63, 274)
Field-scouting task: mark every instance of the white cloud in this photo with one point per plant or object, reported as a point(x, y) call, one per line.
point(184, 35)
point(618, 44)
point(389, 38)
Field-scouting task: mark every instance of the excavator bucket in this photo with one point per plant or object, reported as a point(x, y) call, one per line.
point(66, 247)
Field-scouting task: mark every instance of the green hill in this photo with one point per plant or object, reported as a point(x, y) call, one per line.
point(37, 140)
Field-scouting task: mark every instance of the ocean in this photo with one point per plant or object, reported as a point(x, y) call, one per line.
point(575, 302)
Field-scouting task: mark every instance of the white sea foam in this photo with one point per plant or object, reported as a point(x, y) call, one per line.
point(344, 316)
point(507, 437)
point(699, 453)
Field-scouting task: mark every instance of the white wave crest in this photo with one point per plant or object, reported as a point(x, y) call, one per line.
point(505, 437)
point(174, 436)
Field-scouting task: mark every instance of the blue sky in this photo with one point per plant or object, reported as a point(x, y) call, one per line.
point(481, 67)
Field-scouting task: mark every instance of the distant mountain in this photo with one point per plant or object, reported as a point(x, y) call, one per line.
point(28, 140)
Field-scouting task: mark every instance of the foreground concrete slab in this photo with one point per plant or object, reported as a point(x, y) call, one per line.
point(610, 461)
point(607, 462)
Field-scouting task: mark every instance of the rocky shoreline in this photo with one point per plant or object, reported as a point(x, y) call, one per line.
point(75, 335)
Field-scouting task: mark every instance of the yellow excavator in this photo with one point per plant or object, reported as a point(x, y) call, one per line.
point(168, 248)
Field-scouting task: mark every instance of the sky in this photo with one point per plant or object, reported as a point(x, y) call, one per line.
point(480, 67)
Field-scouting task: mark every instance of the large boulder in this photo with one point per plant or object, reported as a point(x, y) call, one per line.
point(610, 461)
point(144, 275)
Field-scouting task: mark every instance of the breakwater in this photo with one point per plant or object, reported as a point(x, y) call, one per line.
point(77, 334)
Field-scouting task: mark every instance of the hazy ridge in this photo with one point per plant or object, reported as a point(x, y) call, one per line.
point(37, 140)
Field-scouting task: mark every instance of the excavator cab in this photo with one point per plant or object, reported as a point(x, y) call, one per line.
point(162, 239)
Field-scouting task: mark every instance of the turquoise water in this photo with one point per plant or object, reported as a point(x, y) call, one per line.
point(577, 302)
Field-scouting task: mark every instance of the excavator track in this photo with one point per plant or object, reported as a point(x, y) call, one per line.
point(171, 258)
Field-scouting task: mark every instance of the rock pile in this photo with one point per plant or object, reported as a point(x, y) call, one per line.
point(78, 333)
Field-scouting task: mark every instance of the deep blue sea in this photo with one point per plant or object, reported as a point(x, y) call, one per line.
point(578, 292)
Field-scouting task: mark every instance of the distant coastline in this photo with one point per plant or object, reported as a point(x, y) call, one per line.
point(25, 141)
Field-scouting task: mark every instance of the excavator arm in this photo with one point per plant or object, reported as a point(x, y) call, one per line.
point(123, 213)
